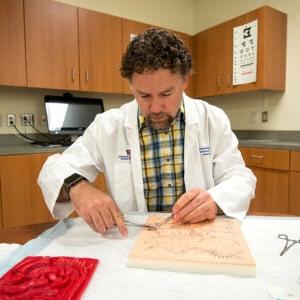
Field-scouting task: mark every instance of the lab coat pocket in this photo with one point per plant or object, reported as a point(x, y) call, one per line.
point(123, 186)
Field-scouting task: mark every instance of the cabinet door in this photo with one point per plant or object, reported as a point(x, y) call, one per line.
point(208, 61)
point(100, 47)
point(271, 168)
point(272, 191)
point(294, 199)
point(22, 200)
point(188, 40)
point(51, 45)
point(12, 44)
point(295, 161)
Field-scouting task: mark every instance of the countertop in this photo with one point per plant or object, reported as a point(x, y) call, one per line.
point(275, 139)
point(29, 149)
point(12, 145)
point(274, 144)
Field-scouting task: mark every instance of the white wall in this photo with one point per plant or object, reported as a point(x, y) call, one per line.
point(174, 14)
point(29, 100)
point(283, 108)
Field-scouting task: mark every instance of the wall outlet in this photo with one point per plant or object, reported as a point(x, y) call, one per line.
point(264, 116)
point(27, 119)
point(11, 120)
point(40, 120)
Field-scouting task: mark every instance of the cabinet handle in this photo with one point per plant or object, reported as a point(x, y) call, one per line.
point(256, 156)
point(73, 74)
point(228, 80)
point(219, 80)
point(87, 76)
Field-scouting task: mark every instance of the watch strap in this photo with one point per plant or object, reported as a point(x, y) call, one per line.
point(72, 181)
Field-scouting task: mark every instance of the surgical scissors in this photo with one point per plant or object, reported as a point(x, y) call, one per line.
point(287, 246)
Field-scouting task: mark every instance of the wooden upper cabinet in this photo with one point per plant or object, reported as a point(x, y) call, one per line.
point(12, 44)
point(51, 34)
point(214, 54)
point(100, 48)
point(209, 61)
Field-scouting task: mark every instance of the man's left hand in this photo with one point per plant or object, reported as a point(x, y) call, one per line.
point(195, 206)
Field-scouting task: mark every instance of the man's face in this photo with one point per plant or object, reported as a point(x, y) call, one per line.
point(158, 94)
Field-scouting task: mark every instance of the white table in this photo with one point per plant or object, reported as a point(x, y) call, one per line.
point(114, 280)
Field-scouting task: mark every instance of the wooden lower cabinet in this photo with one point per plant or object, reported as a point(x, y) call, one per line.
point(294, 203)
point(21, 199)
point(271, 168)
point(272, 191)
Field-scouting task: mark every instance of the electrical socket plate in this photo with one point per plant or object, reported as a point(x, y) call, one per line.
point(264, 116)
point(27, 119)
point(11, 120)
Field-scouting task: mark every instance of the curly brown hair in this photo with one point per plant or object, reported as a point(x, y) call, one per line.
point(155, 49)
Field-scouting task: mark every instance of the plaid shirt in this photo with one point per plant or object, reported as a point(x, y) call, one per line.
point(162, 154)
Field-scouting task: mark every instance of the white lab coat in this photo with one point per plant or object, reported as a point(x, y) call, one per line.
point(110, 144)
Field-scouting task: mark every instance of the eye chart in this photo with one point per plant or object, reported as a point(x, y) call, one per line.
point(245, 53)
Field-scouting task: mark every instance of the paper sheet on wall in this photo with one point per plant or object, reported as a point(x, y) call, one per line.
point(209, 247)
point(245, 53)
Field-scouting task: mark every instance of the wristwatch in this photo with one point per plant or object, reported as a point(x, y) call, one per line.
point(72, 180)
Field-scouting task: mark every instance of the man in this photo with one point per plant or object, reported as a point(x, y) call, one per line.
point(163, 151)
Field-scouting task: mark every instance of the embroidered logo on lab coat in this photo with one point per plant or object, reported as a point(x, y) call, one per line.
point(204, 150)
point(126, 156)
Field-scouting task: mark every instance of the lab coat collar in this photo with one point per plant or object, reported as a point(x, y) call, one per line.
point(191, 115)
point(131, 115)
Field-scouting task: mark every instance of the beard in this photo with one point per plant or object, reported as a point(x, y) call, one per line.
point(160, 120)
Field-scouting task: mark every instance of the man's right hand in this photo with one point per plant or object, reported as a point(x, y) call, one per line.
point(97, 208)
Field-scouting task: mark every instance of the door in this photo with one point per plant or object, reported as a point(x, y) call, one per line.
point(12, 43)
point(22, 200)
point(272, 191)
point(100, 47)
point(209, 62)
point(51, 45)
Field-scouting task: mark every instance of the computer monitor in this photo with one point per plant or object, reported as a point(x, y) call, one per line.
point(68, 115)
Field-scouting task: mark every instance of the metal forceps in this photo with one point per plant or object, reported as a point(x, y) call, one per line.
point(165, 221)
point(288, 242)
point(147, 225)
